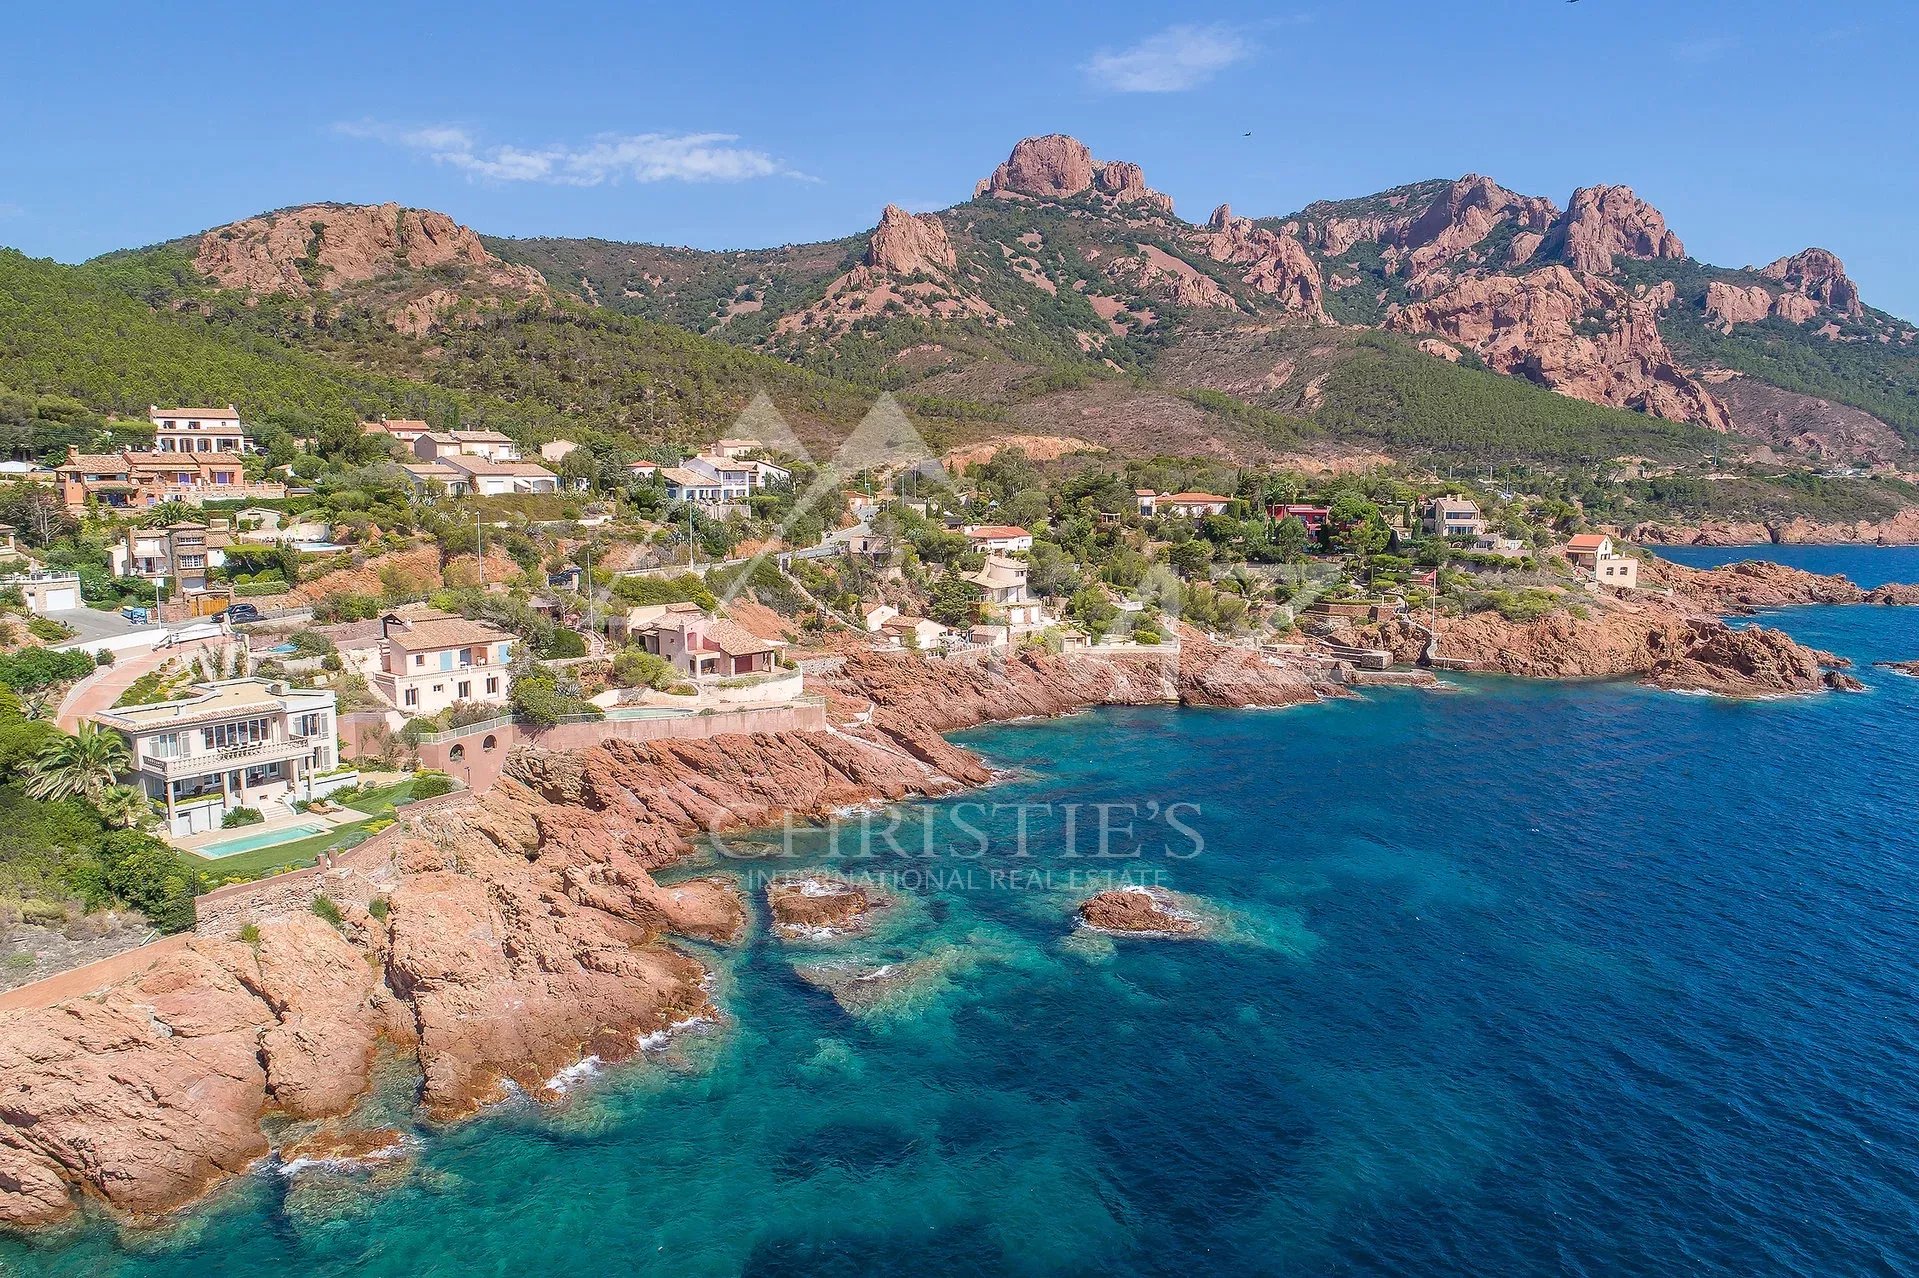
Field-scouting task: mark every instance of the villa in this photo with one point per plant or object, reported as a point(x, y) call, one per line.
point(198, 430)
point(237, 743)
point(406, 430)
point(428, 661)
point(131, 480)
point(1452, 516)
point(1596, 553)
point(1002, 538)
point(179, 557)
point(1002, 583)
point(1191, 505)
point(1314, 517)
point(700, 646)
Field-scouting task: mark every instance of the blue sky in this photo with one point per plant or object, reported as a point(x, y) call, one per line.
point(1758, 127)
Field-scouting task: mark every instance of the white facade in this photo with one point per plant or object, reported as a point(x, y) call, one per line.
point(197, 430)
point(233, 744)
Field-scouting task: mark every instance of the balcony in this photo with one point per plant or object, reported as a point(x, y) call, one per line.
point(228, 758)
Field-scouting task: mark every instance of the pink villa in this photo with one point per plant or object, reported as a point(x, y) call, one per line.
point(700, 646)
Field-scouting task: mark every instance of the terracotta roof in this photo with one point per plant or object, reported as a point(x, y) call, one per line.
point(94, 461)
point(1586, 541)
point(481, 436)
point(996, 532)
point(1186, 499)
point(689, 478)
point(449, 632)
point(1144, 492)
point(735, 640)
point(642, 465)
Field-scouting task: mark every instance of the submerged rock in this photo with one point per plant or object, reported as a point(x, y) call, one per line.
point(345, 1150)
point(816, 907)
point(1139, 911)
point(1908, 668)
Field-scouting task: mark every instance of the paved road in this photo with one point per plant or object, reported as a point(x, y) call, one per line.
point(93, 625)
point(103, 687)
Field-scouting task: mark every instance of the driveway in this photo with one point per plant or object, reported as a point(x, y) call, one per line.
point(90, 625)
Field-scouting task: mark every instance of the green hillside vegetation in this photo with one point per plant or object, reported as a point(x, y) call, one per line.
point(83, 334)
point(1857, 368)
point(1388, 391)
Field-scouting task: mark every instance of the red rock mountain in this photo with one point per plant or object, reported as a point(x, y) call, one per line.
point(906, 244)
point(1058, 167)
point(1609, 222)
point(327, 246)
point(1819, 275)
point(1580, 335)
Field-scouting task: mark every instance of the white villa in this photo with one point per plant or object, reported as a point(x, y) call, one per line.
point(238, 743)
point(197, 430)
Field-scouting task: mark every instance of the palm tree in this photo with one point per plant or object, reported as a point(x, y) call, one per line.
point(125, 807)
point(82, 766)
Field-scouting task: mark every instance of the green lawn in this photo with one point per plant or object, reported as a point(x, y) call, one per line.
point(302, 852)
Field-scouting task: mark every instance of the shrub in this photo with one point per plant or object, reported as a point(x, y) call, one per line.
point(241, 816)
point(325, 907)
point(566, 643)
point(377, 908)
point(431, 785)
point(250, 933)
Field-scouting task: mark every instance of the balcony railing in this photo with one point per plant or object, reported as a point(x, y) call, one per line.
point(226, 757)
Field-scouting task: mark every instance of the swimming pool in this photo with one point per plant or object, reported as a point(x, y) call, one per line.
point(263, 839)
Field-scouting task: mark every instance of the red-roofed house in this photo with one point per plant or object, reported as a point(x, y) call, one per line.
point(429, 661)
point(1596, 553)
point(1002, 538)
point(701, 647)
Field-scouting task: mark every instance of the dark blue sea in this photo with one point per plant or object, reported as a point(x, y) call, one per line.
point(1517, 979)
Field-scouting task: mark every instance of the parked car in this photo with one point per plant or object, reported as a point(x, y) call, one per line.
point(241, 612)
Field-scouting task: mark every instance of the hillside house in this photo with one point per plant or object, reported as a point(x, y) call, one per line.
point(703, 647)
point(403, 430)
point(998, 538)
point(198, 430)
point(1596, 554)
point(132, 480)
point(1452, 516)
point(430, 660)
point(1003, 593)
point(237, 743)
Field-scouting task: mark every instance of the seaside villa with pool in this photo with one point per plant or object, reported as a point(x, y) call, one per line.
point(236, 743)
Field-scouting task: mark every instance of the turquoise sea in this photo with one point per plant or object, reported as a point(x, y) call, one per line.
point(1517, 979)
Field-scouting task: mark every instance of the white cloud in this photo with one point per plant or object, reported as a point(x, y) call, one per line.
point(608, 157)
point(1181, 57)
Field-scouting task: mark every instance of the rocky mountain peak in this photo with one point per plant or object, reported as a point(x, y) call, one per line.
point(1603, 223)
point(1057, 167)
point(910, 244)
point(1463, 214)
point(1818, 274)
point(319, 247)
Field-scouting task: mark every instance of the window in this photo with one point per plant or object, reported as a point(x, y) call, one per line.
point(439, 687)
point(412, 697)
point(419, 659)
point(456, 754)
point(463, 690)
point(493, 683)
point(491, 743)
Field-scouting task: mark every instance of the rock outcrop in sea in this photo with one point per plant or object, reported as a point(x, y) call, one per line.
point(1139, 911)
